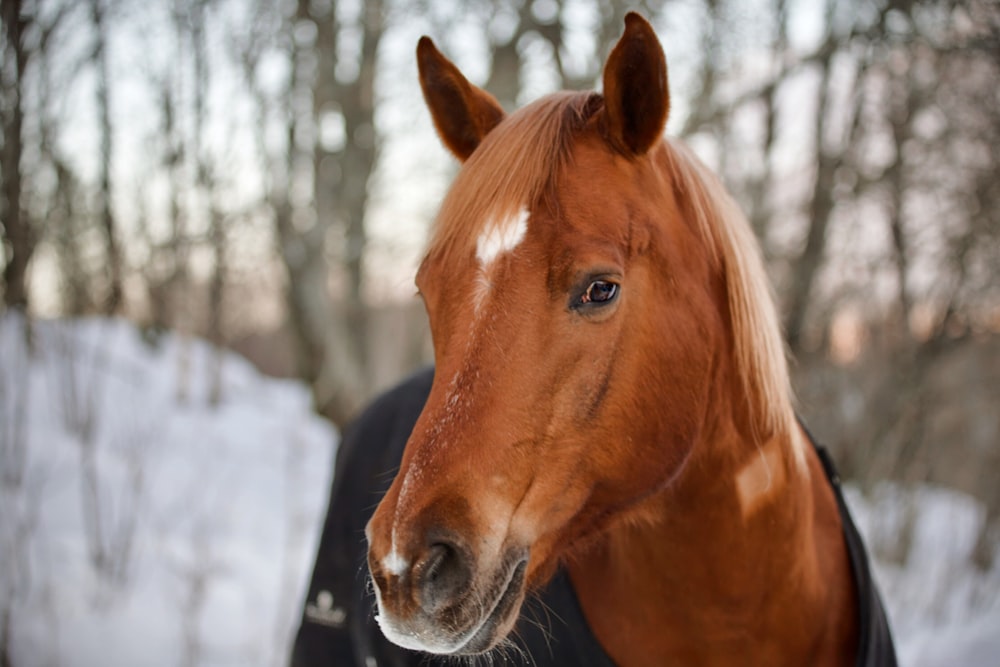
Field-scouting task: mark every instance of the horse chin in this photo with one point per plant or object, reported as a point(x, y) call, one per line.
point(445, 633)
point(500, 620)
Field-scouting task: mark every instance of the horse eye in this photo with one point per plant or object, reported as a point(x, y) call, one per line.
point(600, 291)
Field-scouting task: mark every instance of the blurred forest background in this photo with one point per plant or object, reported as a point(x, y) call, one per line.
point(263, 174)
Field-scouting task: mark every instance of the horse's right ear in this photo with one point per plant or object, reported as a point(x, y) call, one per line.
point(463, 114)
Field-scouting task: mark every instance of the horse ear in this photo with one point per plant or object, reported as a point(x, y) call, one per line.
point(636, 99)
point(463, 114)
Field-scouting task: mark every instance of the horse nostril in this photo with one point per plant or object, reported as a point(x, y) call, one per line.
point(441, 574)
point(435, 560)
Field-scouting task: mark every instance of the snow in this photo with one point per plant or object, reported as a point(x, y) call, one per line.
point(944, 611)
point(208, 516)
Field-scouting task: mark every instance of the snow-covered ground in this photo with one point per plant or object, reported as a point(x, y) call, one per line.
point(139, 524)
point(142, 525)
point(944, 611)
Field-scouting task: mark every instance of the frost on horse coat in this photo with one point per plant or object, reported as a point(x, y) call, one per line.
point(611, 399)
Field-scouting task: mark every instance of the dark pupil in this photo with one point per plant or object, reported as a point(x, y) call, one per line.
point(600, 291)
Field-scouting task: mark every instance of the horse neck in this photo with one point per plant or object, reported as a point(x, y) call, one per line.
point(740, 561)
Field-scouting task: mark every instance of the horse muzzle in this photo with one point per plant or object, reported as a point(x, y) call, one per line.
point(441, 600)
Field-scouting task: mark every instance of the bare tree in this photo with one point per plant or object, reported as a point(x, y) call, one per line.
point(206, 182)
point(341, 181)
point(65, 218)
point(99, 57)
point(18, 235)
point(326, 300)
point(166, 275)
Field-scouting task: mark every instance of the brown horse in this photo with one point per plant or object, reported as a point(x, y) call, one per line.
point(611, 396)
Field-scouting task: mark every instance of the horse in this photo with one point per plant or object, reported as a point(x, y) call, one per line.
point(610, 411)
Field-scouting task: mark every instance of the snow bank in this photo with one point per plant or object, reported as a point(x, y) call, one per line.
point(944, 611)
point(148, 526)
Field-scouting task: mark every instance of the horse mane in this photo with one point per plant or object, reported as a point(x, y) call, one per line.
point(760, 349)
point(516, 162)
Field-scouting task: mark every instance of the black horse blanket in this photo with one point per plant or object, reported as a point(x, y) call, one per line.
point(338, 627)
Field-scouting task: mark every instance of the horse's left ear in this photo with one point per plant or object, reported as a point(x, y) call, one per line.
point(636, 99)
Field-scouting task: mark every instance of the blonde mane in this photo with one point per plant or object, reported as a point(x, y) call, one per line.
point(760, 349)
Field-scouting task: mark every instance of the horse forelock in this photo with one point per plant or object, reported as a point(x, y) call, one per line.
point(760, 354)
point(485, 210)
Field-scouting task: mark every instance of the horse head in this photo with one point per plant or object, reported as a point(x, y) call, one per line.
point(583, 325)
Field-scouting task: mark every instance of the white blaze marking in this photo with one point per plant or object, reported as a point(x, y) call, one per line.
point(500, 236)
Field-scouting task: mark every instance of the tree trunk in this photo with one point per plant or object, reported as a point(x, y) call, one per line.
point(206, 187)
point(821, 207)
point(357, 162)
point(902, 109)
point(100, 60)
point(16, 227)
point(331, 324)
